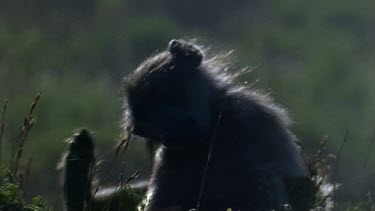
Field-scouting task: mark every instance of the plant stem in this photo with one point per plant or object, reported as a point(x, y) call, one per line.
point(3, 125)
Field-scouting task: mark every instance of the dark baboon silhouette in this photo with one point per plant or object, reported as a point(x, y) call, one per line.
point(77, 165)
point(78, 169)
point(222, 145)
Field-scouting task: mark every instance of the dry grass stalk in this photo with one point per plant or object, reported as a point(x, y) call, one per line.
point(28, 123)
point(3, 125)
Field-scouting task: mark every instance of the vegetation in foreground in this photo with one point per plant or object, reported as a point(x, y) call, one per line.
point(13, 196)
point(12, 193)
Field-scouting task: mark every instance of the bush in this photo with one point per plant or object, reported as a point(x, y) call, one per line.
point(11, 196)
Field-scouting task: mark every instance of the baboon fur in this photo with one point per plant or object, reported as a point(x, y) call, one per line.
point(221, 145)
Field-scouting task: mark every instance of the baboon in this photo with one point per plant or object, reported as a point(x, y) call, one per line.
point(221, 144)
point(77, 165)
point(78, 170)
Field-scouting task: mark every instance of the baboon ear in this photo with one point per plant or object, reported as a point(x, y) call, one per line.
point(185, 53)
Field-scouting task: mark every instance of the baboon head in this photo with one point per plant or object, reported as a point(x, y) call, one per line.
point(169, 96)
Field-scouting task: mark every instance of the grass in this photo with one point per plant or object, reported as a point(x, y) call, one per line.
point(12, 175)
point(12, 194)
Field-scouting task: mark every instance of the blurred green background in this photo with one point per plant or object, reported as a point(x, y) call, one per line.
point(316, 58)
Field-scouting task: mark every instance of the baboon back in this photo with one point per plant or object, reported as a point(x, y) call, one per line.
point(222, 145)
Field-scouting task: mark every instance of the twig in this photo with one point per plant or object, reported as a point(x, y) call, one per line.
point(28, 123)
point(317, 159)
point(3, 125)
point(21, 184)
point(209, 155)
point(119, 186)
point(337, 168)
point(132, 177)
point(322, 147)
point(28, 167)
point(369, 147)
point(124, 143)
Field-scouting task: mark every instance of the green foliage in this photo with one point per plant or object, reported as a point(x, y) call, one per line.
point(11, 198)
point(315, 56)
point(130, 200)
